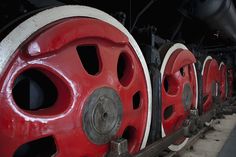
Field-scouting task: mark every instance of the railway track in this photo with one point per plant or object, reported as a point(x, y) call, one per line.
point(159, 148)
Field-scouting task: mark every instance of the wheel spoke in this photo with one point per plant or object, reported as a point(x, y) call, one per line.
point(170, 99)
point(109, 60)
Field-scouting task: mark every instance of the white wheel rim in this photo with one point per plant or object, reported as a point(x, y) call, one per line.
point(204, 63)
point(23, 31)
point(221, 64)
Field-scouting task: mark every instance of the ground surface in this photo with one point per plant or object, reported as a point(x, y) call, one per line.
point(215, 140)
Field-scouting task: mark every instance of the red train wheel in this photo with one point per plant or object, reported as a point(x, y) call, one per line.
point(179, 90)
point(230, 82)
point(210, 77)
point(72, 79)
point(222, 73)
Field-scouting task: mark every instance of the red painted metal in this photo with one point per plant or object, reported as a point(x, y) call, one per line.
point(222, 76)
point(210, 77)
point(52, 50)
point(185, 57)
point(179, 71)
point(231, 81)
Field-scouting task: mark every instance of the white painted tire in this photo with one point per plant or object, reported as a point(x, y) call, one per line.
point(170, 51)
point(221, 64)
point(23, 31)
point(204, 63)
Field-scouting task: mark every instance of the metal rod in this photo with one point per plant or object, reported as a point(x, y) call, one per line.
point(157, 147)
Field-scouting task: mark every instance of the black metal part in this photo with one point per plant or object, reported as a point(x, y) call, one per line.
point(118, 148)
point(199, 67)
point(149, 42)
point(177, 29)
point(120, 16)
point(10, 25)
point(228, 107)
point(219, 14)
point(157, 147)
point(13, 12)
point(151, 55)
point(144, 9)
point(45, 3)
point(190, 127)
point(155, 130)
point(192, 124)
point(191, 141)
point(207, 117)
point(231, 101)
point(229, 110)
point(102, 115)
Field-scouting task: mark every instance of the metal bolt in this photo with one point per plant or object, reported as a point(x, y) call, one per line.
point(118, 148)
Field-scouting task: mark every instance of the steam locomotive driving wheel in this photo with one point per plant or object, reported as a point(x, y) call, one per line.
point(72, 80)
point(179, 89)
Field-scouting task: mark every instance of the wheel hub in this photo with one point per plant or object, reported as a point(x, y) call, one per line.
point(187, 96)
point(102, 115)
